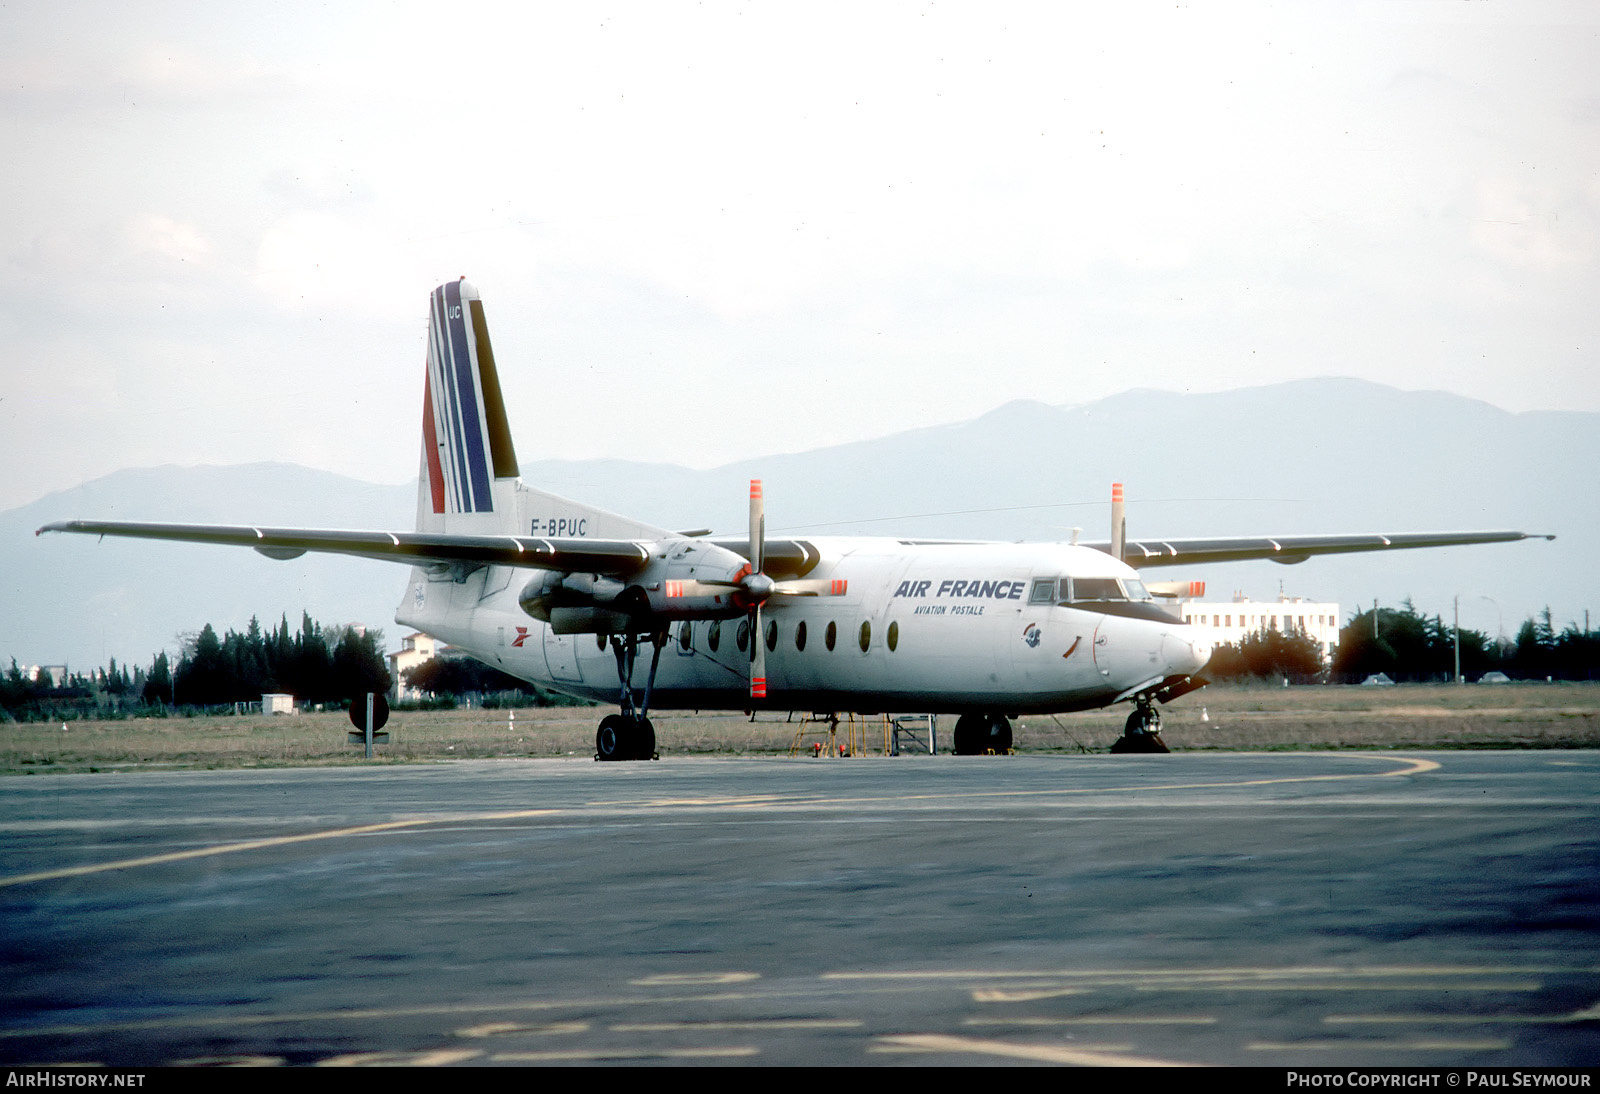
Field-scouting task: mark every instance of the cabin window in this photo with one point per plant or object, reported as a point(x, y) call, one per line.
point(772, 635)
point(866, 636)
point(714, 636)
point(894, 636)
point(1043, 592)
point(741, 637)
point(831, 636)
point(600, 640)
point(800, 635)
point(686, 636)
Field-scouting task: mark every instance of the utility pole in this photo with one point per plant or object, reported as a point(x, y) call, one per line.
point(1458, 639)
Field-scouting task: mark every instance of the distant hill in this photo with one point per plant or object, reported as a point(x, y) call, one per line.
point(1329, 455)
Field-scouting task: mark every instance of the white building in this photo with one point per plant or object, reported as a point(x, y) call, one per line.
point(277, 702)
point(1231, 621)
point(414, 649)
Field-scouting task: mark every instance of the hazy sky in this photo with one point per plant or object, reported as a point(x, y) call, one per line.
point(709, 231)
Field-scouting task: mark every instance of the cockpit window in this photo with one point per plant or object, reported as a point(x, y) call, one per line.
point(1135, 589)
point(1043, 591)
point(1094, 588)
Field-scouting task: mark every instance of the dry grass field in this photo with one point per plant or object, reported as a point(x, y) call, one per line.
point(1247, 718)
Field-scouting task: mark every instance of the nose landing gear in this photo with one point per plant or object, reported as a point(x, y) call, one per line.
point(1142, 733)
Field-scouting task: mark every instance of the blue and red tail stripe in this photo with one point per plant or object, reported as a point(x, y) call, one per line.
point(465, 435)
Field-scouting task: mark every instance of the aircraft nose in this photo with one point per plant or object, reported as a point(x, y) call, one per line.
point(1187, 653)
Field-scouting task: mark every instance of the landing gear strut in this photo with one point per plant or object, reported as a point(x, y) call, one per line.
point(980, 734)
point(1143, 731)
point(629, 735)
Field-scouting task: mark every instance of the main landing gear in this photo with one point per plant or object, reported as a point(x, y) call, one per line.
point(1143, 731)
point(981, 734)
point(629, 735)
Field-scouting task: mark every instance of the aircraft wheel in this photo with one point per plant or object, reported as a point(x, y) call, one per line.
point(998, 735)
point(969, 731)
point(644, 740)
point(1142, 732)
point(978, 734)
point(1144, 719)
point(612, 739)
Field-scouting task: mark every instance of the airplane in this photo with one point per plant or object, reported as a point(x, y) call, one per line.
point(567, 596)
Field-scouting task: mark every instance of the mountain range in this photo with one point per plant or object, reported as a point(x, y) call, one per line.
point(1326, 455)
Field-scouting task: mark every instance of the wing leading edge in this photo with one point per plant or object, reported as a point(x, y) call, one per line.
point(615, 557)
point(1144, 553)
point(786, 558)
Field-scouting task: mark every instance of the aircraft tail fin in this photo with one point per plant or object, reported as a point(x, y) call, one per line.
point(469, 466)
point(468, 481)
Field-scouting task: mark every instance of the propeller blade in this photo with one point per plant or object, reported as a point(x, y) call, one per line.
point(758, 656)
point(1119, 523)
point(758, 527)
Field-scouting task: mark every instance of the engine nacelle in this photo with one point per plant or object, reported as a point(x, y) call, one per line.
point(583, 603)
point(688, 580)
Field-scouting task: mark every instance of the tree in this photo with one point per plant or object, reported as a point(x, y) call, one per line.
point(358, 664)
point(158, 684)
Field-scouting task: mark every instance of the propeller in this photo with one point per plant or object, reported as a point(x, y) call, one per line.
point(752, 587)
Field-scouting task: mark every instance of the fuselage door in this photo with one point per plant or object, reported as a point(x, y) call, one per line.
point(561, 656)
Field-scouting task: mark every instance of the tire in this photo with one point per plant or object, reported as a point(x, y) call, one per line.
point(980, 734)
point(998, 736)
point(611, 740)
point(644, 740)
point(968, 732)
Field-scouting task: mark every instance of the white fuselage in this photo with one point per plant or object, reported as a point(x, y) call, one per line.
point(923, 627)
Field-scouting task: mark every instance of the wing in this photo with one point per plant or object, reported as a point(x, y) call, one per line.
point(1144, 553)
point(607, 556)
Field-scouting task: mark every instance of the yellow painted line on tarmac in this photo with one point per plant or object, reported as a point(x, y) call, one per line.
point(693, 979)
point(546, 1029)
point(378, 1014)
point(1411, 766)
point(1383, 985)
point(270, 841)
point(999, 995)
point(1378, 1046)
point(744, 800)
point(437, 1058)
point(730, 1052)
point(1100, 1020)
point(752, 1024)
point(1588, 1015)
point(1045, 1054)
point(1300, 975)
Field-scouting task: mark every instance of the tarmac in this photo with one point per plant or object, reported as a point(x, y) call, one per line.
point(1284, 909)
